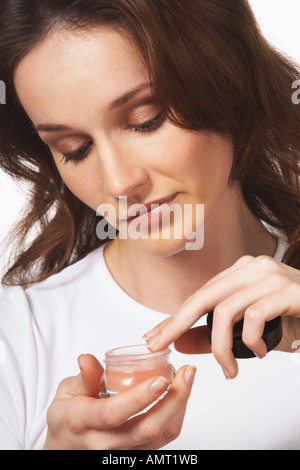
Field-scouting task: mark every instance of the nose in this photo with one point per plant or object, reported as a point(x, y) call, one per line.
point(122, 173)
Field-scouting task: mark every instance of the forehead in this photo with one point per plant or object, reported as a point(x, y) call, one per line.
point(70, 67)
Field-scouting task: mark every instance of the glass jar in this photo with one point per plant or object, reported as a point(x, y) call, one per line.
point(130, 365)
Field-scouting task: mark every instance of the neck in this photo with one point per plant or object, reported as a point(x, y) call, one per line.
point(229, 234)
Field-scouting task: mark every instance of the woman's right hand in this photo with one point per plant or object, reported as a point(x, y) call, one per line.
point(79, 420)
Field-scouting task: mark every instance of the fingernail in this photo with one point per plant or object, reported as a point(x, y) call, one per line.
point(159, 385)
point(150, 334)
point(153, 341)
point(189, 375)
point(226, 373)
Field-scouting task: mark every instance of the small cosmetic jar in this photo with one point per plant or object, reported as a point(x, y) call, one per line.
point(130, 365)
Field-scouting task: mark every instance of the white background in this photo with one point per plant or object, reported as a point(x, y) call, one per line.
point(280, 23)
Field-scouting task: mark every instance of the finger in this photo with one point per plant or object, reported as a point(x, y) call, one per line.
point(222, 343)
point(169, 434)
point(151, 425)
point(205, 300)
point(112, 412)
point(154, 426)
point(240, 263)
point(194, 341)
point(197, 305)
point(86, 383)
point(229, 312)
point(284, 302)
point(256, 313)
point(176, 325)
point(91, 373)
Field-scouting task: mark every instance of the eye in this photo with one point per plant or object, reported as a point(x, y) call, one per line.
point(82, 152)
point(78, 154)
point(149, 126)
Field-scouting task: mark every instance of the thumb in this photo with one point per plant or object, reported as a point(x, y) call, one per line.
point(194, 341)
point(90, 374)
point(87, 382)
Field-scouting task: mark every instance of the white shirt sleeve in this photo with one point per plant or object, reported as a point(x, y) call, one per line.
point(17, 370)
point(7, 440)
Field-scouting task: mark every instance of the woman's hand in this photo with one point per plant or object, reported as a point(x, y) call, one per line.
point(79, 420)
point(258, 289)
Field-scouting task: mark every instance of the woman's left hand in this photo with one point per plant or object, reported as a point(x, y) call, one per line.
point(258, 289)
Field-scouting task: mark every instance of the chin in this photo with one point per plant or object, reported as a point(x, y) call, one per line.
point(161, 248)
point(176, 236)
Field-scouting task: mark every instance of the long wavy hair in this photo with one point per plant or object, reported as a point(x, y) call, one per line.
point(211, 69)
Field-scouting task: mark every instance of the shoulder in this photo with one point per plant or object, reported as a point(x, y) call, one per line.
point(22, 306)
point(70, 276)
point(13, 303)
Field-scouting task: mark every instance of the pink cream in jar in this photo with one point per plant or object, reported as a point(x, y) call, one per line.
point(130, 365)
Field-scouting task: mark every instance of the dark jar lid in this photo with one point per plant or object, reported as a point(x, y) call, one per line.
point(272, 336)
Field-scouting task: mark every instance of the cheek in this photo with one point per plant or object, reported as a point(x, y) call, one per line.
point(83, 182)
point(204, 159)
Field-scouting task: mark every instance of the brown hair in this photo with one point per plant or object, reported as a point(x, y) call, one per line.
point(211, 69)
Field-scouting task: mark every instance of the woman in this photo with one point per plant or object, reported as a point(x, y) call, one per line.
point(86, 80)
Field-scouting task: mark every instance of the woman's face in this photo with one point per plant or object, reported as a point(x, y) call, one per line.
point(89, 97)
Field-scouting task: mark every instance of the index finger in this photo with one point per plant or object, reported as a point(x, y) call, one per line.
point(198, 305)
point(176, 325)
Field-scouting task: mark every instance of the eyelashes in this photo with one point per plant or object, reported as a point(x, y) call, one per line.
point(149, 126)
point(146, 128)
point(78, 155)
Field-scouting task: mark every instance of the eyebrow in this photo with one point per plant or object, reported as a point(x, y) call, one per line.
point(121, 101)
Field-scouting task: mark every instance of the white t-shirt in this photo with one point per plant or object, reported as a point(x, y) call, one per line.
point(44, 328)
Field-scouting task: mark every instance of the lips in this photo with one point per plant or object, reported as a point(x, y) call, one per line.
point(144, 208)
